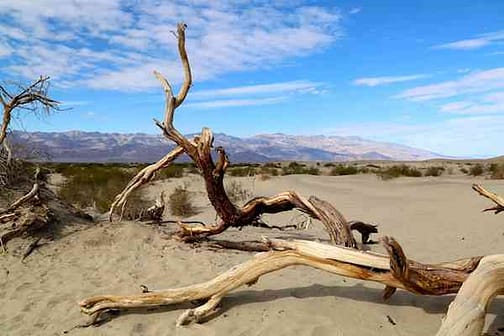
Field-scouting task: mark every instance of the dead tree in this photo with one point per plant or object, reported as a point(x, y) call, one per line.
point(199, 150)
point(13, 98)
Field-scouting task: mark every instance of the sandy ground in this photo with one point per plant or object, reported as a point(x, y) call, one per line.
point(435, 219)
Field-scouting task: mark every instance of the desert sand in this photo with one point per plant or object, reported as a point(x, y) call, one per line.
point(435, 219)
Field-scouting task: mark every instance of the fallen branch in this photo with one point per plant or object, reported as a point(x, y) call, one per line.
point(466, 314)
point(394, 271)
point(499, 201)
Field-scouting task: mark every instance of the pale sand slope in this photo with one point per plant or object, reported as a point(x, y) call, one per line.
point(435, 219)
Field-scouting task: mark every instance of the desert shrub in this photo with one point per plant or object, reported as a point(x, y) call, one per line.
point(434, 171)
point(398, 170)
point(296, 168)
point(496, 171)
point(268, 171)
point(464, 170)
point(241, 171)
point(476, 170)
point(237, 193)
point(135, 207)
point(344, 170)
point(180, 202)
point(93, 185)
point(264, 177)
point(172, 171)
point(329, 164)
point(273, 165)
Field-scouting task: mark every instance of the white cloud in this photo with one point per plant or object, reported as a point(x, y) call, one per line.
point(475, 82)
point(375, 81)
point(237, 102)
point(354, 10)
point(116, 44)
point(473, 43)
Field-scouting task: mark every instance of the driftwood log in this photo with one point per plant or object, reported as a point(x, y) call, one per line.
point(200, 151)
point(393, 270)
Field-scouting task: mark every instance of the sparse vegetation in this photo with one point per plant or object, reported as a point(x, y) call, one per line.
point(434, 171)
point(93, 185)
point(180, 202)
point(496, 171)
point(237, 193)
point(242, 171)
point(476, 170)
point(172, 171)
point(397, 171)
point(297, 168)
point(344, 170)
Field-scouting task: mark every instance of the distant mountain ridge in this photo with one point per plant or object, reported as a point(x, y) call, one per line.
point(78, 146)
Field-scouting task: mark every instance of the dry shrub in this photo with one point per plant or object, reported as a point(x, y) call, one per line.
point(180, 202)
point(398, 170)
point(299, 168)
point(342, 169)
point(496, 171)
point(434, 171)
point(93, 185)
point(476, 170)
point(237, 193)
point(264, 177)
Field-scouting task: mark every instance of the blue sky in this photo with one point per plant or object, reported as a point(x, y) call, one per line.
point(428, 74)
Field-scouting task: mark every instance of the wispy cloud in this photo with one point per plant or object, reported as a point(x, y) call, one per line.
point(300, 86)
point(237, 102)
point(375, 81)
point(461, 136)
point(473, 43)
point(355, 10)
point(488, 104)
point(475, 82)
point(116, 44)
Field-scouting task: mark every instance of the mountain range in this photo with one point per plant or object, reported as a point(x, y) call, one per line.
point(78, 146)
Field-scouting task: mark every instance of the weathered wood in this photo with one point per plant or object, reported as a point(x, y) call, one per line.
point(498, 200)
point(466, 314)
point(200, 151)
point(394, 271)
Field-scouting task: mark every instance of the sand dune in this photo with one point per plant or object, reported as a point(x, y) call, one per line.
point(434, 219)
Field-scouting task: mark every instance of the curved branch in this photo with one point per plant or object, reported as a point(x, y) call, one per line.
point(334, 259)
point(466, 314)
point(144, 176)
point(499, 201)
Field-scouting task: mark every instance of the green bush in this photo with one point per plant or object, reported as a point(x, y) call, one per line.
point(434, 171)
point(344, 170)
point(398, 170)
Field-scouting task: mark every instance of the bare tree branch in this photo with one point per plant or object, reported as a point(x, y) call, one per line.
point(499, 201)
